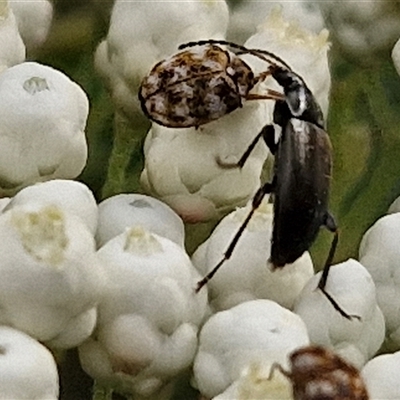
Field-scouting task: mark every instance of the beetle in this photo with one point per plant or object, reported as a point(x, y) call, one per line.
point(202, 83)
point(302, 174)
point(303, 164)
point(318, 373)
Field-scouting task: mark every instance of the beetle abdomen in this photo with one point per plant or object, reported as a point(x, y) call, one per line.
point(319, 374)
point(303, 169)
point(194, 102)
point(195, 87)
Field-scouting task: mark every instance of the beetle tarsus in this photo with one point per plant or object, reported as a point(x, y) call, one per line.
point(267, 133)
point(249, 150)
point(337, 307)
point(261, 192)
point(205, 280)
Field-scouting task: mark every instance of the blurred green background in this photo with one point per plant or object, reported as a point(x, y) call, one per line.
point(363, 123)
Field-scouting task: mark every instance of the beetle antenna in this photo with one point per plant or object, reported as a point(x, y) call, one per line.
point(257, 199)
point(262, 54)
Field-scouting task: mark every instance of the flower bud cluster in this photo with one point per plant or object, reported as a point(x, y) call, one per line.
point(114, 280)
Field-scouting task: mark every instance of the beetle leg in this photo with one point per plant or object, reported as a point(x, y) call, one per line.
point(330, 224)
point(257, 199)
point(267, 133)
point(276, 366)
point(271, 95)
point(262, 76)
point(269, 138)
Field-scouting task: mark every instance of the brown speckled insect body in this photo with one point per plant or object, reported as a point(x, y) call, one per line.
point(319, 374)
point(199, 84)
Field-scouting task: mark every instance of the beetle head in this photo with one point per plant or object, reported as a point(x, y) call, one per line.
point(300, 102)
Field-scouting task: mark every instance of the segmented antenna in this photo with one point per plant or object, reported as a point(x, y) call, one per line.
point(243, 50)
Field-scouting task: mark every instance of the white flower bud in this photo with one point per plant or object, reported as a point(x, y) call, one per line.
point(72, 196)
point(181, 165)
point(34, 19)
point(42, 135)
point(27, 369)
point(124, 210)
point(256, 333)
point(380, 254)
point(381, 378)
point(396, 56)
point(12, 49)
point(50, 273)
point(352, 287)
point(248, 15)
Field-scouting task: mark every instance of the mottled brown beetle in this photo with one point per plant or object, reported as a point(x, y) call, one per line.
point(319, 374)
point(202, 83)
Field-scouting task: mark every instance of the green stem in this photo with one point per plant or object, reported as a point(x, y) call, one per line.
point(126, 159)
point(101, 393)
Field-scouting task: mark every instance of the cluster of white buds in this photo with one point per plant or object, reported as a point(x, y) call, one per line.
point(149, 314)
point(114, 279)
point(183, 168)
